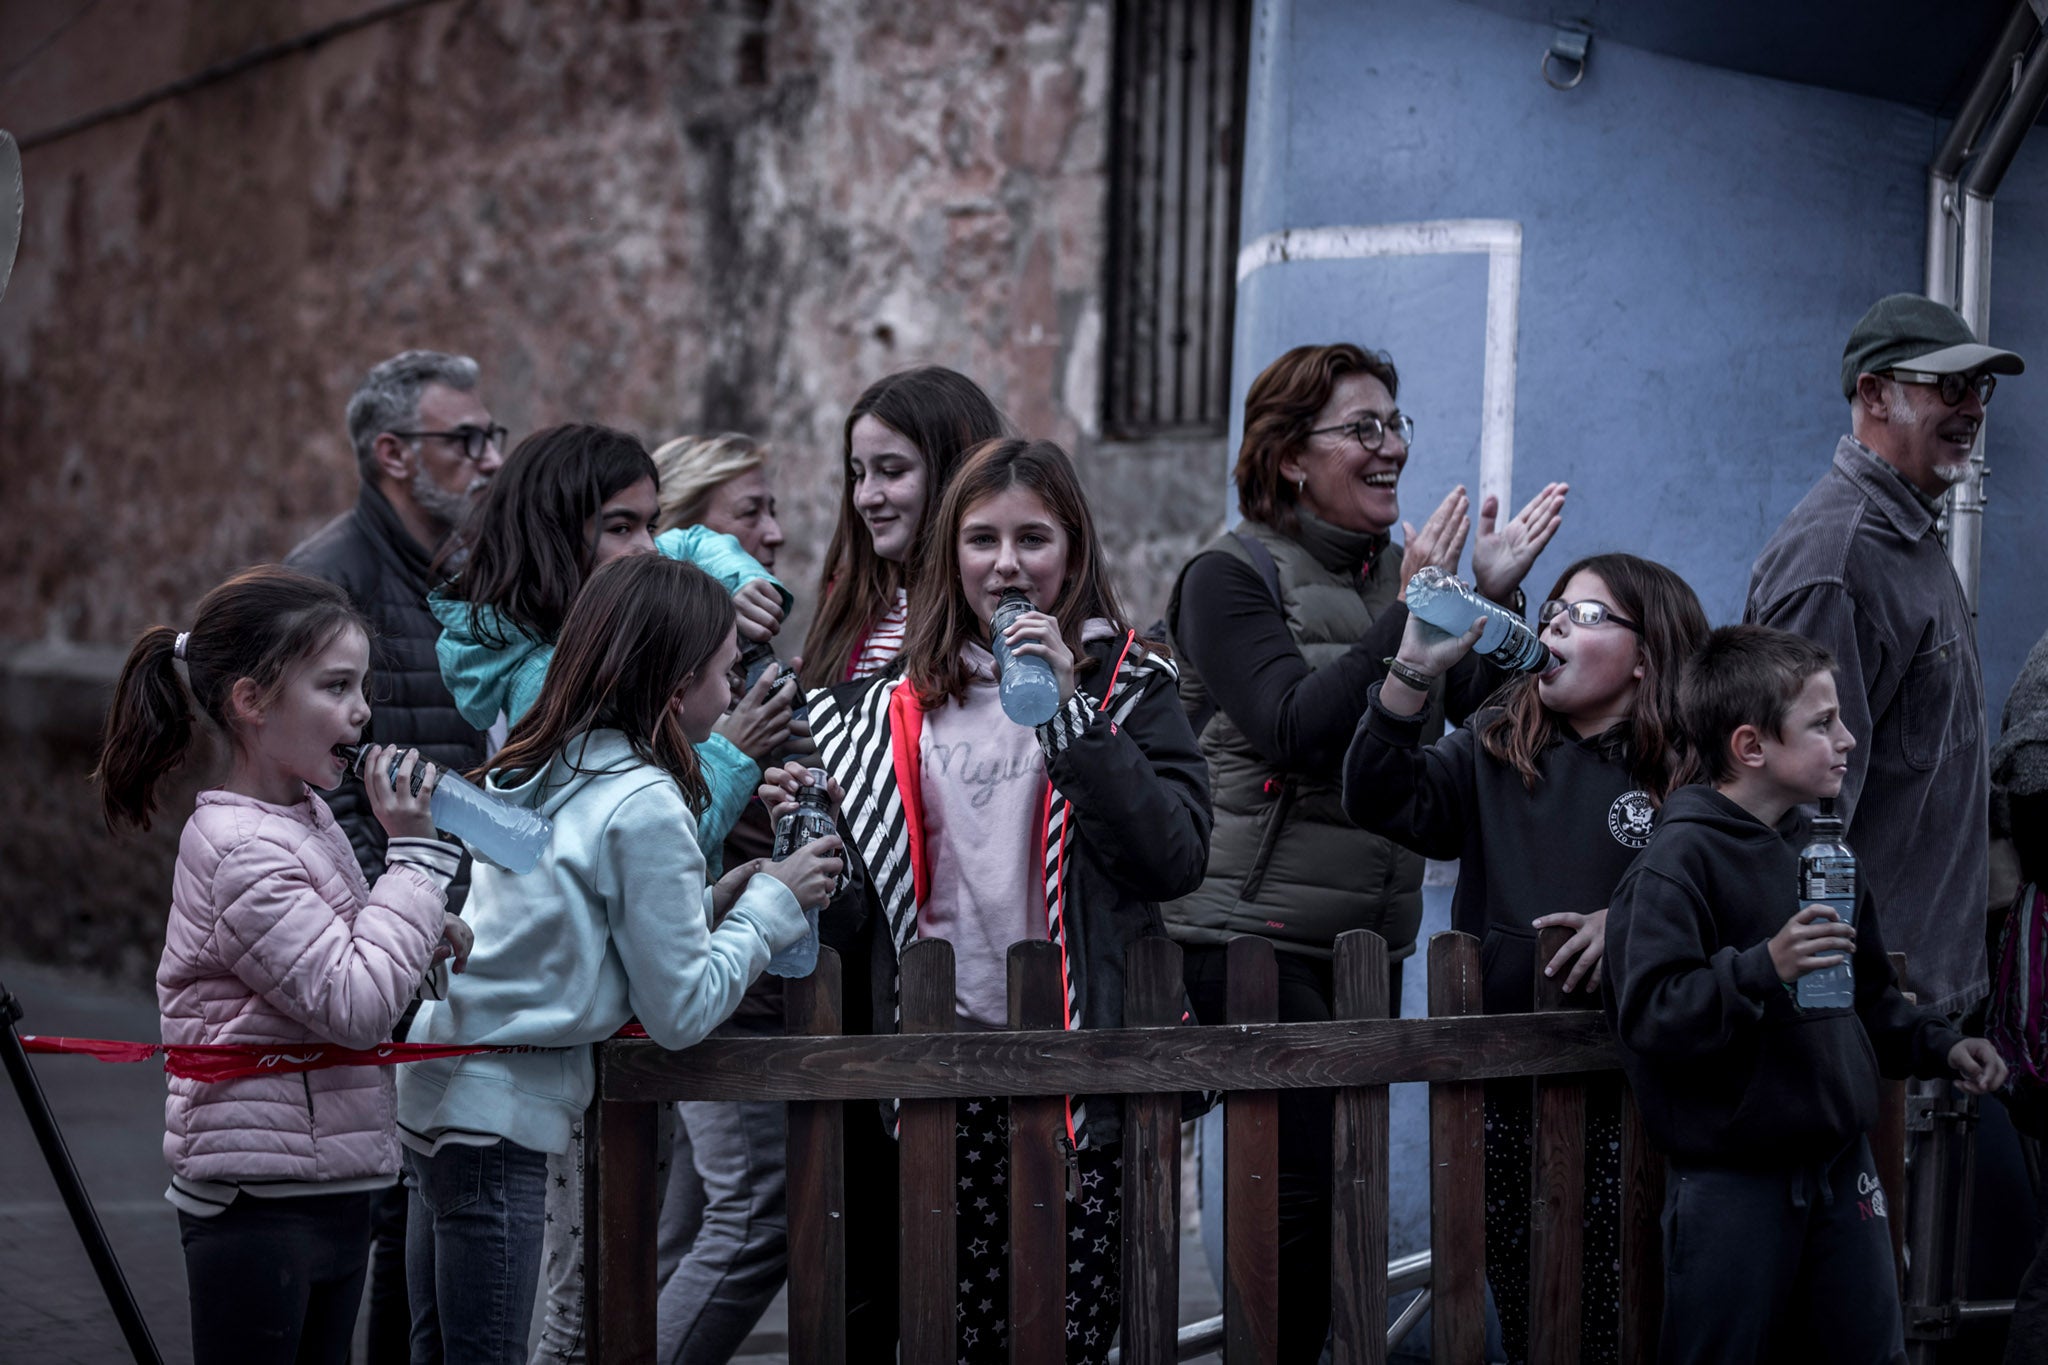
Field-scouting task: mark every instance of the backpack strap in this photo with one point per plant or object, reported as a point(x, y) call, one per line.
point(1262, 560)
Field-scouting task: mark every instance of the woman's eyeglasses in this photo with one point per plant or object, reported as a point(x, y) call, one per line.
point(1370, 431)
point(1582, 614)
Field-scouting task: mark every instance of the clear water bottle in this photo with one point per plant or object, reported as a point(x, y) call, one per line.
point(809, 822)
point(495, 830)
point(1030, 693)
point(1450, 606)
point(1827, 876)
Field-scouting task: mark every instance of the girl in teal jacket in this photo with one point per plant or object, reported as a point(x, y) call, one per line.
point(569, 500)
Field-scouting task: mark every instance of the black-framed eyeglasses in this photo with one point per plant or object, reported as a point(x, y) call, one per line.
point(1582, 614)
point(474, 440)
point(1370, 431)
point(1953, 386)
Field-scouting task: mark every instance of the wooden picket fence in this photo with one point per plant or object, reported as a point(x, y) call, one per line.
point(1151, 1062)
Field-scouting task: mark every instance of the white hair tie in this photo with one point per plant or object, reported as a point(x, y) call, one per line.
point(178, 645)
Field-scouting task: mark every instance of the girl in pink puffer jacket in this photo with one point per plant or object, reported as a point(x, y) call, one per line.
point(274, 939)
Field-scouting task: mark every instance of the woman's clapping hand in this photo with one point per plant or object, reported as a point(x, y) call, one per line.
point(1500, 558)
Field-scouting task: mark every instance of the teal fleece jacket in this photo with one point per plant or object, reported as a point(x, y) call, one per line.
point(501, 668)
point(614, 924)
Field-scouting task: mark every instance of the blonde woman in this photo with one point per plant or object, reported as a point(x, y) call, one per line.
point(724, 1243)
point(721, 482)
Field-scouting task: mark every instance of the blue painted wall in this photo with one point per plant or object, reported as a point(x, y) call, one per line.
point(1696, 245)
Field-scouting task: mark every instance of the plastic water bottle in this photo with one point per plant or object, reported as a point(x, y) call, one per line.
point(495, 830)
point(1030, 693)
point(1827, 876)
point(758, 657)
point(810, 821)
point(1451, 607)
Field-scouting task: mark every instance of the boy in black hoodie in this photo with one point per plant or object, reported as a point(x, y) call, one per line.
point(1776, 1243)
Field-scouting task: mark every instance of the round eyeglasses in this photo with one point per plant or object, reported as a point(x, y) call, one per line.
point(474, 440)
point(1952, 386)
point(1582, 614)
point(1370, 431)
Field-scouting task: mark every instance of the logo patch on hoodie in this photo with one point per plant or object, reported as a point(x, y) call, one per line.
point(1630, 817)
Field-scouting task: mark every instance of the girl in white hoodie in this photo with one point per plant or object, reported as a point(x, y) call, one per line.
point(615, 923)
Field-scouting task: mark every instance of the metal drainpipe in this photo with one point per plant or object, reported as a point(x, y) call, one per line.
point(1943, 211)
point(1994, 155)
point(1965, 511)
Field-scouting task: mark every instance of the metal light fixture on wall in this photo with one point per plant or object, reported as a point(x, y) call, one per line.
point(1564, 61)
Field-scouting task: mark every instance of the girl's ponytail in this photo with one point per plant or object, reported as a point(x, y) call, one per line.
point(148, 730)
point(255, 626)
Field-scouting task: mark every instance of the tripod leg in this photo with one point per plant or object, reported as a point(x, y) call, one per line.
point(33, 1103)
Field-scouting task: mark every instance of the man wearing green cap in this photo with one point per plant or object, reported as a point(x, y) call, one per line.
point(1857, 567)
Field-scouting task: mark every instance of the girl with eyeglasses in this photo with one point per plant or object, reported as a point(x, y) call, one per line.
point(1544, 799)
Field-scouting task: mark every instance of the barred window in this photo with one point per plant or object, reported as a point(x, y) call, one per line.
point(1176, 160)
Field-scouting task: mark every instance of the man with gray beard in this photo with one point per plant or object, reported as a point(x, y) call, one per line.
point(1857, 567)
point(425, 448)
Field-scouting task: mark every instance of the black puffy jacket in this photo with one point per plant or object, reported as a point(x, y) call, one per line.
point(369, 554)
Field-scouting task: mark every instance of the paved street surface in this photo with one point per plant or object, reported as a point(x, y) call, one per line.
point(51, 1306)
point(52, 1311)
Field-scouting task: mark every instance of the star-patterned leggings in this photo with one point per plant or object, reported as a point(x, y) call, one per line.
point(1510, 1150)
point(1094, 1241)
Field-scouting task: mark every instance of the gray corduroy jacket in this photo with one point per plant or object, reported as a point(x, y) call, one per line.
point(1857, 567)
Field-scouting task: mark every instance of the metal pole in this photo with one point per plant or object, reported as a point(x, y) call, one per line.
point(1931, 1248)
point(1993, 81)
point(1940, 283)
point(1991, 85)
point(1994, 153)
point(101, 1252)
point(1973, 301)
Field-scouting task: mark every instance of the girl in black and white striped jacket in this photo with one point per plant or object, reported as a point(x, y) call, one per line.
point(983, 832)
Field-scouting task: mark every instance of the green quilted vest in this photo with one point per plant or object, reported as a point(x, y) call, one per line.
point(1284, 862)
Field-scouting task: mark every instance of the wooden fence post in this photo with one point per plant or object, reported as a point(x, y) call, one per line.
point(1358, 1213)
point(619, 1161)
point(1642, 1238)
point(1251, 1171)
point(1557, 1189)
point(1151, 1216)
point(927, 1196)
point(1457, 1184)
point(817, 1185)
point(1038, 1177)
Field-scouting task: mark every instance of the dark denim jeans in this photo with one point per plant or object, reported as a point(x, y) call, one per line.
point(472, 1252)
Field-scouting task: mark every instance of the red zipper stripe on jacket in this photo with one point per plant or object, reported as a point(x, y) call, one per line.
point(1130, 638)
point(906, 726)
point(1059, 910)
point(1060, 879)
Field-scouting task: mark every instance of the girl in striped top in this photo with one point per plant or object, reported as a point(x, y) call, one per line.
point(903, 438)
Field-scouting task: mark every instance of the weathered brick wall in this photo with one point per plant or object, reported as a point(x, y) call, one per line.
point(699, 214)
